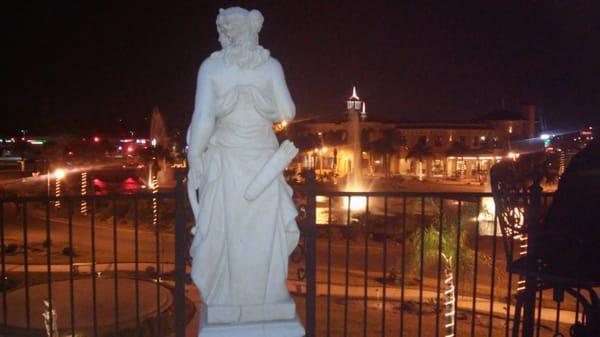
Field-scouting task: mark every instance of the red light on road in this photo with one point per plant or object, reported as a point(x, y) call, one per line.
point(96, 139)
point(130, 149)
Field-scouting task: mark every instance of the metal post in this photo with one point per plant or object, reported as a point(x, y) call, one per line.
point(533, 219)
point(179, 255)
point(311, 262)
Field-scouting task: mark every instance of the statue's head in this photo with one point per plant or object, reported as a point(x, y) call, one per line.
point(238, 34)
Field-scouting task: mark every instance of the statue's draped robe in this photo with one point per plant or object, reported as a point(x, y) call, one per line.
point(242, 245)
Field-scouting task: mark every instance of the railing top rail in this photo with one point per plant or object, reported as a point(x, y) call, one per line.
point(110, 196)
point(331, 193)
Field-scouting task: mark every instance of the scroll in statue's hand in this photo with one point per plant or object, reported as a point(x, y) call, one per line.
point(272, 169)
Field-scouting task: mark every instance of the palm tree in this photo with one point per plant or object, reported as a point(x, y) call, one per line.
point(384, 147)
point(420, 152)
point(440, 242)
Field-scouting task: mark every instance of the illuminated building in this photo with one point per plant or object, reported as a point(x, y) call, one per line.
point(424, 150)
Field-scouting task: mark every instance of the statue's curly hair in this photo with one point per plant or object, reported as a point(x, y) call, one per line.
point(244, 49)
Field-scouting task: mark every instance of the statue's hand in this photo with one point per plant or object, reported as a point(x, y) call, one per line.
point(194, 178)
point(196, 168)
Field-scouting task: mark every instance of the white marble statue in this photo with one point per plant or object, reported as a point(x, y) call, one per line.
point(245, 227)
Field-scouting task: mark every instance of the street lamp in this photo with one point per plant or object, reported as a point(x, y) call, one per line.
point(59, 173)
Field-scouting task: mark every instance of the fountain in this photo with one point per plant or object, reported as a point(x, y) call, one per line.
point(354, 182)
point(355, 175)
point(159, 139)
point(158, 131)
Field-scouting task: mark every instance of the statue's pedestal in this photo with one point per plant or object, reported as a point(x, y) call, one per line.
point(268, 320)
point(287, 328)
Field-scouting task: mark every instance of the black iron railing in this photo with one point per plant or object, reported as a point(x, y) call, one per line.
point(369, 264)
point(415, 264)
point(109, 268)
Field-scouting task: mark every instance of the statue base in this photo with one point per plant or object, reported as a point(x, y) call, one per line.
point(225, 314)
point(280, 328)
point(264, 320)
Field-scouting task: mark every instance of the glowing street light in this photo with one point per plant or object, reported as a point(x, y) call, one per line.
point(59, 173)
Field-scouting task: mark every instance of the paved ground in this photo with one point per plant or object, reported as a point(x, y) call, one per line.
point(83, 303)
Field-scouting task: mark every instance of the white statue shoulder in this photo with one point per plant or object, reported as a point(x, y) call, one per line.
point(285, 106)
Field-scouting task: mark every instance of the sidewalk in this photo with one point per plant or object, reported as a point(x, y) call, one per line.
point(374, 293)
point(482, 306)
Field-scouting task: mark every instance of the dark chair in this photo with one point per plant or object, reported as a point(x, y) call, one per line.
point(513, 200)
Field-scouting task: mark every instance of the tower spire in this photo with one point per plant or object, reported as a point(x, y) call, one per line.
point(363, 113)
point(354, 95)
point(354, 102)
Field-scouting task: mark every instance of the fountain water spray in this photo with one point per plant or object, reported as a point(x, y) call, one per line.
point(355, 176)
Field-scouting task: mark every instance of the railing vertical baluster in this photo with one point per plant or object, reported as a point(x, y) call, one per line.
point(439, 270)
point(92, 212)
point(311, 258)
point(509, 292)
point(180, 229)
point(556, 324)
point(329, 266)
point(366, 269)
point(421, 267)
point(136, 257)
point(475, 269)
point(26, 262)
point(539, 312)
point(456, 284)
point(71, 252)
point(493, 280)
point(116, 266)
point(577, 306)
point(3, 281)
point(533, 226)
point(403, 261)
point(384, 278)
point(158, 271)
point(49, 264)
point(347, 276)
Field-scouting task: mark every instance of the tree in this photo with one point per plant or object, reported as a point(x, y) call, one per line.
point(305, 141)
point(384, 146)
point(441, 247)
point(420, 151)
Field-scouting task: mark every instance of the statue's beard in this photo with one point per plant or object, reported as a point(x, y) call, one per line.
point(246, 53)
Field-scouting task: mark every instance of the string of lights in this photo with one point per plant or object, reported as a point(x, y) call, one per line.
point(154, 201)
point(449, 297)
point(57, 191)
point(84, 182)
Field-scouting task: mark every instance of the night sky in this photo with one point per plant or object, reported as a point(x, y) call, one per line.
point(85, 67)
